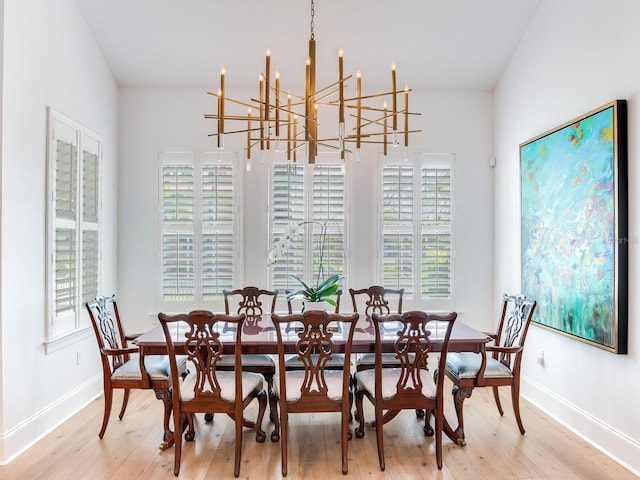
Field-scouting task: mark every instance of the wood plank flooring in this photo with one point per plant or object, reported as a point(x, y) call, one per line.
point(495, 448)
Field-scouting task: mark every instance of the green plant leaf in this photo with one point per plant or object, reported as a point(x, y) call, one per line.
point(322, 292)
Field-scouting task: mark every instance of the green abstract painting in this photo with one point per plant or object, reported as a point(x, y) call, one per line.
point(574, 227)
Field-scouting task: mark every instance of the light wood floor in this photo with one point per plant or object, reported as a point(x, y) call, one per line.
point(495, 448)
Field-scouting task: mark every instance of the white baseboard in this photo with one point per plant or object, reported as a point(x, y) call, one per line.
point(19, 438)
point(614, 443)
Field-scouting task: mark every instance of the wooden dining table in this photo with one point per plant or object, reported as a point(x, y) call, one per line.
point(259, 337)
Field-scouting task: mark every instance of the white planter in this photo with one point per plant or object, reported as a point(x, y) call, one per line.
point(314, 305)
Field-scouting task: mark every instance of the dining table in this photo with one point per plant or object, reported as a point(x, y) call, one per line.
point(259, 337)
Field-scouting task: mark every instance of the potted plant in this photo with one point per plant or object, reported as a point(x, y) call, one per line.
point(314, 297)
point(322, 292)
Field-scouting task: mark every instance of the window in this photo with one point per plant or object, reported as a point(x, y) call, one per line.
point(200, 236)
point(313, 197)
point(416, 218)
point(73, 176)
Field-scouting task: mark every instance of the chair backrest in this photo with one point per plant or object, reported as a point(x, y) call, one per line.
point(250, 302)
point(517, 312)
point(375, 299)
point(105, 319)
point(412, 346)
point(314, 348)
point(199, 331)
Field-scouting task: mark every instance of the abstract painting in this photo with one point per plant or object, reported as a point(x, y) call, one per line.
point(575, 227)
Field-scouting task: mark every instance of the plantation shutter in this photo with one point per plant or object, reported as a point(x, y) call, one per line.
point(178, 228)
point(66, 192)
point(200, 244)
point(398, 230)
point(416, 240)
point(73, 219)
point(90, 212)
point(328, 209)
point(287, 207)
point(217, 229)
point(436, 231)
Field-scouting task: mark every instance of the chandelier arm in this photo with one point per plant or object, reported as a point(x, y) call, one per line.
point(228, 99)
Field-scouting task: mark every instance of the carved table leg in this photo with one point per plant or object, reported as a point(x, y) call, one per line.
point(459, 395)
point(167, 439)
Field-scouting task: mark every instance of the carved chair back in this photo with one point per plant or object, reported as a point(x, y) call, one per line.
point(517, 312)
point(250, 302)
point(411, 347)
point(314, 349)
point(376, 299)
point(105, 319)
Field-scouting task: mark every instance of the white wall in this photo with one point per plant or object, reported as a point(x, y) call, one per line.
point(155, 119)
point(50, 59)
point(575, 56)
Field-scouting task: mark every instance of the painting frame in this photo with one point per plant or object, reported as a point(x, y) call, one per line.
point(574, 227)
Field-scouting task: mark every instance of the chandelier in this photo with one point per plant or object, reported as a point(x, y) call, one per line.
point(292, 124)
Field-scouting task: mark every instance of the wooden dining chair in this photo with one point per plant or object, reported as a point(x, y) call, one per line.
point(409, 386)
point(208, 389)
point(123, 367)
point(499, 365)
point(253, 302)
point(313, 387)
point(380, 300)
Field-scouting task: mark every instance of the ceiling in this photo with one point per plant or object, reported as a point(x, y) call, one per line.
point(436, 44)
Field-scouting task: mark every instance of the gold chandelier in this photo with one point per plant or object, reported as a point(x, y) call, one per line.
point(294, 123)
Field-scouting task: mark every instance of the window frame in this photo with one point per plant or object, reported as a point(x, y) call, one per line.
point(198, 158)
point(417, 160)
point(311, 224)
point(65, 328)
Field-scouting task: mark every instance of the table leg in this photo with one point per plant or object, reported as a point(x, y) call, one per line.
point(167, 439)
point(459, 395)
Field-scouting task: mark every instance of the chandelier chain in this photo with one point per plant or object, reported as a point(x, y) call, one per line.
point(313, 12)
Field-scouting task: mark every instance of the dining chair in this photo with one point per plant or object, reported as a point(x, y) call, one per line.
point(313, 387)
point(123, 367)
point(410, 385)
point(500, 364)
point(380, 300)
point(208, 389)
point(253, 302)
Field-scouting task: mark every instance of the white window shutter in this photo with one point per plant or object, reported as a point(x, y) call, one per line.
point(418, 257)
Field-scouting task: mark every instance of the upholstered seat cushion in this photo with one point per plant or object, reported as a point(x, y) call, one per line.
point(295, 378)
point(368, 360)
point(248, 361)
point(467, 365)
point(366, 379)
point(227, 381)
point(157, 367)
point(336, 362)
